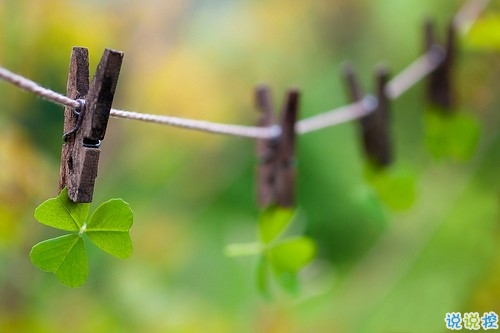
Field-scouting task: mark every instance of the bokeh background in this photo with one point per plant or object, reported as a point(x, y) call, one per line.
point(395, 257)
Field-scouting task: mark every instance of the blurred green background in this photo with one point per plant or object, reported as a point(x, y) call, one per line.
point(395, 255)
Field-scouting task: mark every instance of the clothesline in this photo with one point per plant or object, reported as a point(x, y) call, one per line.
point(395, 88)
point(417, 70)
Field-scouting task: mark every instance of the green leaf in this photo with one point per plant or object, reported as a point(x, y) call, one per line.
point(263, 278)
point(288, 258)
point(451, 136)
point(288, 281)
point(292, 255)
point(395, 186)
point(273, 221)
point(64, 256)
point(61, 213)
point(109, 226)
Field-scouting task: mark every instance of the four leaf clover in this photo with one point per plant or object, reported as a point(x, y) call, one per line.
point(65, 256)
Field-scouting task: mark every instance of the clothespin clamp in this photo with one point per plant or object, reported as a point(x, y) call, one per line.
point(85, 127)
point(375, 127)
point(276, 170)
point(439, 87)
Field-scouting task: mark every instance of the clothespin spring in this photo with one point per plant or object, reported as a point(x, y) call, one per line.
point(79, 112)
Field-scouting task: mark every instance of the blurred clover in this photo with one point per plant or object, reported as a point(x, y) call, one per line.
point(395, 185)
point(451, 136)
point(281, 258)
point(108, 228)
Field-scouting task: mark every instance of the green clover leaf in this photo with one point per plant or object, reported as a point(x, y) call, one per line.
point(108, 228)
point(292, 255)
point(62, 213)
point(64, 256)
point(288, 281)
point(273, 221)
point(288, 258)
point(281, 259)
point(451, 136)
point(263, 278)
point(395, 186)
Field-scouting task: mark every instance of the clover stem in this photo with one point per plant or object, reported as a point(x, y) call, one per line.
point(243, 249)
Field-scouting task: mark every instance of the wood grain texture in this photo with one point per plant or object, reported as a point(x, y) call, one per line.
point(285, 164)
point(266, 148)
point(374, 127)
point(80, 156)
point(101, 93)
point(77, 87)
point(440, 88)
point(276, 169)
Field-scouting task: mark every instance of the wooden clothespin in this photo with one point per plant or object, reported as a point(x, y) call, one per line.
point(375, 127)
point(439, 87)
point(84, 128)
point(276, 170)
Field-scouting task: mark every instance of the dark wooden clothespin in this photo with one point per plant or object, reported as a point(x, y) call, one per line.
point(439, 87)
point(276, 170)
point(375, 127)
point(85, 127)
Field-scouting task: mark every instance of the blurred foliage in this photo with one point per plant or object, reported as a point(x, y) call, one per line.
point(453, 135)
point(380, 268)
point(284, 257)
point(395, 186)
